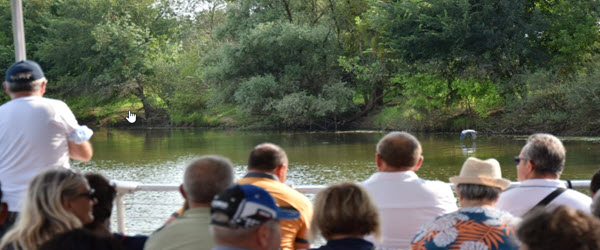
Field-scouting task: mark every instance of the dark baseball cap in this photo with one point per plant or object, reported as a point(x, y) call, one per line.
point(244, 206)
point(24, 72)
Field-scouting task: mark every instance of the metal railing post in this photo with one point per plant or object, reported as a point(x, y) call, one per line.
point(120, 202)
point(18, 29)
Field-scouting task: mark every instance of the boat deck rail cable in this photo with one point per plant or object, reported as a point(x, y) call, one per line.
point(130, 187)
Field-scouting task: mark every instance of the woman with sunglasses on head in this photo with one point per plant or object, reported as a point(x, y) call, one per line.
point(57, 201)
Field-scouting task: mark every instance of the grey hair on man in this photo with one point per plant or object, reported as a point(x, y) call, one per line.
point(478, 192)
point(546, 152)
point(399, 149)
point(26, 86)
point(206, 176)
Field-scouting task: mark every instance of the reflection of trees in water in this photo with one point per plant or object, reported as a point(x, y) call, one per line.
point(152, 137)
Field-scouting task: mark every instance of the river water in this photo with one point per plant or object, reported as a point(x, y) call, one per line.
point(154, 156)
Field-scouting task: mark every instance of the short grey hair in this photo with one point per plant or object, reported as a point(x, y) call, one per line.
point(27, 86)
point(478, 192)
point(206, 176)
point(546, 152)
point(399, 149)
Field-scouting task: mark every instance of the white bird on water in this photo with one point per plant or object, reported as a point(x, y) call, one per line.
point(466, 132)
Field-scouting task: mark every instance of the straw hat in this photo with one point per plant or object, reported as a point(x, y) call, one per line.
point(482, 172)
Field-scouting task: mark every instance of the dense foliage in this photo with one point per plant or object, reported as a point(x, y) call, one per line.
point(495, 65)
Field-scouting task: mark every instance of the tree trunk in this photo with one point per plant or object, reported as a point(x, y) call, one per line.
point(149, 110)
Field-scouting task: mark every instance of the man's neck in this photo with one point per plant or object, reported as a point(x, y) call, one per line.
point(394, 169)
point(264, 172)
point(196, 204)
point(544, 176)
point(477, 203)
point(25, 94)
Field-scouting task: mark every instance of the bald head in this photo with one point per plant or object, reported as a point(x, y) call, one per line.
point(399, 149)
point(266, 157)
point(206, 176)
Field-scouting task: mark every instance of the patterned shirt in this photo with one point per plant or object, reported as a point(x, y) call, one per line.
point(469, 228)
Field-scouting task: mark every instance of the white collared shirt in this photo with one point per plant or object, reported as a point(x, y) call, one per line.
point(405, 203)
point(519, 200)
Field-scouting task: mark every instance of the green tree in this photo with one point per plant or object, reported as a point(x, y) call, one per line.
point(570, 33)
point(278, 60)
point(107, 49)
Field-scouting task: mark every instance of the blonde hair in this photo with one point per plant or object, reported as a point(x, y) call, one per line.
point(43, 215)
point(345, 208)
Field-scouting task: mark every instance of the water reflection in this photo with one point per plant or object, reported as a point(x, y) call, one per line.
point(468, 151)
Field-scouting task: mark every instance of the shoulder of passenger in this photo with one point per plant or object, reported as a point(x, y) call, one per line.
point(436, 183)
point(578, 195)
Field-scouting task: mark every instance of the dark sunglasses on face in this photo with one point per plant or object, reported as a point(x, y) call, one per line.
point(519, 159)
point(89, 194)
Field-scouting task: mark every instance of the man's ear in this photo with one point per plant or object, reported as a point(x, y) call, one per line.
point(182, 191)
point(378, 161)
point(419, 163)
point(530, 166)
point(281, 172)
point(3, 213)
point(263, 235)
point(43, 87)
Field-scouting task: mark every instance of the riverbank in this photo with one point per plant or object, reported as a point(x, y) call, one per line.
point(383, 118)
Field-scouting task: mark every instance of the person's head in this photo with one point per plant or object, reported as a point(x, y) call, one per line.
point(559, 228)
point(595, 183)
point(595, 207)
point(81, 239)
point(105, 194)
point(247, 216)
point(398, 151)
point(268, 157)
point(57, 201)
point(344, 209)
point(24, 78)
point(205, 177)
point(543, 157)
point(480, 182)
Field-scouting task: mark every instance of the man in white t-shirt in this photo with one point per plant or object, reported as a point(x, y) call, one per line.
point(405, 201)
point(539, 166)
point(36, 133)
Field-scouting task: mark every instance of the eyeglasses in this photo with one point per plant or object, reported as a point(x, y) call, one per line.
point(518, 160)
point(89, 194)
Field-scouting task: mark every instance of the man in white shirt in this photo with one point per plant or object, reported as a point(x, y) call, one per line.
point(539, 166)
point(405, 201)
point(36, 133)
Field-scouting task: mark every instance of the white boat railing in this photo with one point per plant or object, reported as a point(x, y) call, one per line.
point(129, 187)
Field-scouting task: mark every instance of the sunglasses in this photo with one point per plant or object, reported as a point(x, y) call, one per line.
point(89, 194)
point(519, 159)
